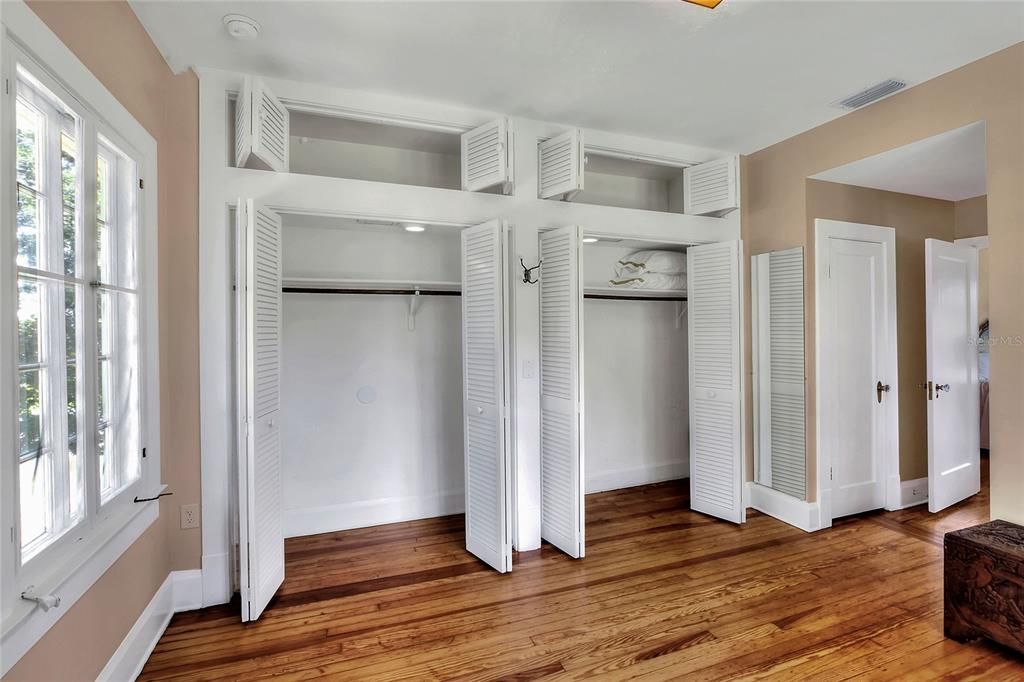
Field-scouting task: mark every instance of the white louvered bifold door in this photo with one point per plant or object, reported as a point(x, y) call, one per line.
point(262, 128)
point(560, 165)
point(561, 390)
point(484, 367)
point(261, 534)
point(711, 188)
point(786, 361)
point(716, 381)
point(487, 156)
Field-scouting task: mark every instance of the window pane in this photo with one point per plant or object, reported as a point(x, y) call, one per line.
point(29, 211)
point(29, 141)
point(75, 468)
point(119, 439)
point(36, 502)
point(104, 235)
point(29, 317)
point(69, 202)
point(116, 223)
point(30, 413)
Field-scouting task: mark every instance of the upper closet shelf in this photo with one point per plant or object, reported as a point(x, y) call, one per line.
point(628, 293)
point(270, 136)
point(570, 171)
point(398, 286)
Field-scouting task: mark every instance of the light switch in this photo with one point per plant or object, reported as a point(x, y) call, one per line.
point(529, 369)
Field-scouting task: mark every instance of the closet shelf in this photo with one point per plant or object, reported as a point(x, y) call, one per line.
point(368, 285)
point(628, 294)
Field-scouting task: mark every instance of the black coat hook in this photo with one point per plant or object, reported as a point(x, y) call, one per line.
point(528, 272)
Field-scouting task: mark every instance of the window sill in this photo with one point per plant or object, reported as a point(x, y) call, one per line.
point(27, 623)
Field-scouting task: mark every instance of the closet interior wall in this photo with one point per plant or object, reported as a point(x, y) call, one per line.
point(624, 183)
point(636, 417)
point(371, 394)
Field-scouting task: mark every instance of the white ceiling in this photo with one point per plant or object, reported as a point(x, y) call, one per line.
point(949, 166)
point(737, 78)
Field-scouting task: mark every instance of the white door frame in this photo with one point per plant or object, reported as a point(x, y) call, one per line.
point(824, 394)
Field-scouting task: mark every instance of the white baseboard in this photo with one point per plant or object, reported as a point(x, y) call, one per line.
point(180, 591)
point(216, 580)
point(313, 520)
point(913, 493)
point(598, 482)
point(804, 515)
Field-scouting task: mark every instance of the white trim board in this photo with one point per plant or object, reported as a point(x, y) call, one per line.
point(913, 493)
point(366, 513)
point(804, 515)
point(886, 236)
point(180, 591)
point(634, 476)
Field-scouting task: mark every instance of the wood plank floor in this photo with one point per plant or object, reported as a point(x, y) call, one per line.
point(663, 594)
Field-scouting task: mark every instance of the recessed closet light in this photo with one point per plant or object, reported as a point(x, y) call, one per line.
point(590, 240)
point(241, 27)
point(414, 228)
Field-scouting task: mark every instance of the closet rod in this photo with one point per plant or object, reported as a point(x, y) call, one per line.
point(375, 292)
point(624, 297)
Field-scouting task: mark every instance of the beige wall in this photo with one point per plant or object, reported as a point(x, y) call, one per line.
point(108, 38)
point(914, 219)
point(775, 216)
point(971, 216)
point(972, 221)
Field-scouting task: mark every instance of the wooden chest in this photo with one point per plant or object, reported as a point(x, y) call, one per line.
point(984, 583)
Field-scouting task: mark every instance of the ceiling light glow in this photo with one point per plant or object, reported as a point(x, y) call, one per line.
point(414, 228)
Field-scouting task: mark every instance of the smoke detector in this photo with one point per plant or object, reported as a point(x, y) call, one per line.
point(241, 27)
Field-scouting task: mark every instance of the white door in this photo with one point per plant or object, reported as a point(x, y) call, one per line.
point(951, 327)
point(857, 367)
point(485, 367)
point(261, 545)
point(716, 379)
point(561, 390)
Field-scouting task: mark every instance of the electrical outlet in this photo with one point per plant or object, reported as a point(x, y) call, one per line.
point(189, 516)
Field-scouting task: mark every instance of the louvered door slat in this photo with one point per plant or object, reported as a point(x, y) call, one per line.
point(561, 388)
point(488, 477)
point(261, 548)
point(487, 156)
point(716, 473)
point(560, 165)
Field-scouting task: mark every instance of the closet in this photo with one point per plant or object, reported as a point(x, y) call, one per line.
point(637, 384)
point(268, 135)
point(372, 382)
point(570, 170)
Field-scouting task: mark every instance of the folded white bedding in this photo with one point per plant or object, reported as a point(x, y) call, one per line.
point(651, 280)
point(651, 261)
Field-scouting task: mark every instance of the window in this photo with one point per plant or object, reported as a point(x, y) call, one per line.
point(76, 372)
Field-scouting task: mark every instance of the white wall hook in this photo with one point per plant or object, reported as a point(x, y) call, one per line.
point(45, 601)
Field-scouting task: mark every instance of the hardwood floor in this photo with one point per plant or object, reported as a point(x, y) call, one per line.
point(663, 594)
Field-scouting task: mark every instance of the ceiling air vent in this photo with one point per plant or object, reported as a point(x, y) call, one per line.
point(871, 95)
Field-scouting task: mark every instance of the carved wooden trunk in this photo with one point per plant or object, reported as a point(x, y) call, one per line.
point(984, 583)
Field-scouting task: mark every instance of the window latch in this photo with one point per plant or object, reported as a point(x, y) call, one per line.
point(45, 601)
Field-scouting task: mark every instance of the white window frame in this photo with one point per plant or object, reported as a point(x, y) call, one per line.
point(69, 566)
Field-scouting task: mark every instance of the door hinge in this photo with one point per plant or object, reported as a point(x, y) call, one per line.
point(7, 86)
point(143, 453)
point(142, 184)
point(830, 473)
